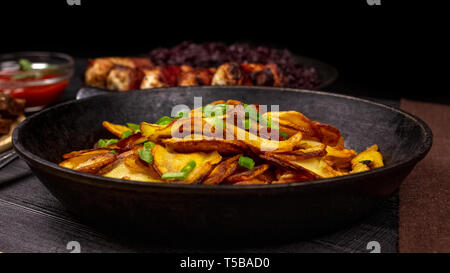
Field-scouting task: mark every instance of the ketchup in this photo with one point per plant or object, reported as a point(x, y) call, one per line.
point(36, 95)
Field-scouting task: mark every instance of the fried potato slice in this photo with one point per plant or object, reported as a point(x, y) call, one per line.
point(339, 158)
point(166, 161)
point(315, 166)
point(115, 129)
point(89, 163)
point(119, 170)
point(250, 182)
point(131, 141)
point(288, 176)
point(370, 157)
point(135, 164)
point(248, 175)
point(86, 152)
point(177, 128)
point(262, 144)
point(222, 170)
point(199, 143)
point(154, 131)
point(292, 121)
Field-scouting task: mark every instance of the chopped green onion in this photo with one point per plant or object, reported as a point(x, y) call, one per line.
point(126, 134)
point(136, 128)
point(164, 120)
point(246, 162)
point(176, 175)
point(250, 112)
point(106, 142)
point(219, 123)
point(181, 114)
point(210, 110)
point(284, 135)
point(189, 167)
point(366, 162)
point(247, 124)
point(113, 152)
point(25, 64)
point(180, 175)
point(145, 153)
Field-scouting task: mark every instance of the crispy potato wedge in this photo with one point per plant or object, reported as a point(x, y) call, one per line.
point(287, 176)
point(166, 161)
point(370, 157)
point(250, 182)
point(222, 170)
point(339, 158)
point(248, 175)
point(86, 152)
point(118, 169)
point(199, 143)
point(130, 142)
point(262, 144)
point(315, 166)
point(115, 129)
point(89, 163)
point(136, 165)
point(292, 121)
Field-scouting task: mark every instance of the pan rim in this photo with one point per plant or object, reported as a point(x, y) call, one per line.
point(129, 184)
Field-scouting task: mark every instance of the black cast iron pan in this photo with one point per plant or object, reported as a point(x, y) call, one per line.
point(211, 213)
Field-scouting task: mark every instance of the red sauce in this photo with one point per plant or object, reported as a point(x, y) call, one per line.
point(36, 95)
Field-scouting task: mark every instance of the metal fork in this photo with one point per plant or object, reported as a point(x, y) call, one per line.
point(7, 157)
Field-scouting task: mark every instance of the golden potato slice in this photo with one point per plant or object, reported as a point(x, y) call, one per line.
point(370, 157)
point(288, 176)
point(131, 141)
point(262, 144)
point(89, 163)
point(250, 182)
point(222, 170)
point(315, 166)
point(339, 158)
point(292, 121)
point(199, 143)
point(248, 175)
point(86, 152)
point(115, 129)
point(166, 161)
point(119, 170)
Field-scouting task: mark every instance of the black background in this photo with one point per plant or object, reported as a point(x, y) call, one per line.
point(388, 50)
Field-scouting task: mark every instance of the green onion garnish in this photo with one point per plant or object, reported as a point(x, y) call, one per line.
point(177, 175)
point(126, 134)
point(164, 120)
point(25, 64)
point(145, 153)
point(247, 124)
point(113, 152)
point(181, 114)
point(250, 112)
point(136, 128)
point(106, 142)
point(366, 162)
point(210, 110)
point(246, 162)
point(189, 167)
point(180, 175)
point(284, 135)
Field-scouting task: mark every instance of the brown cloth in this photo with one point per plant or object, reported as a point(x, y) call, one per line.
point(424, 213)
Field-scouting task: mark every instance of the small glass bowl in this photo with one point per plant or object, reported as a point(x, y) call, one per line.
point(36, 88)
